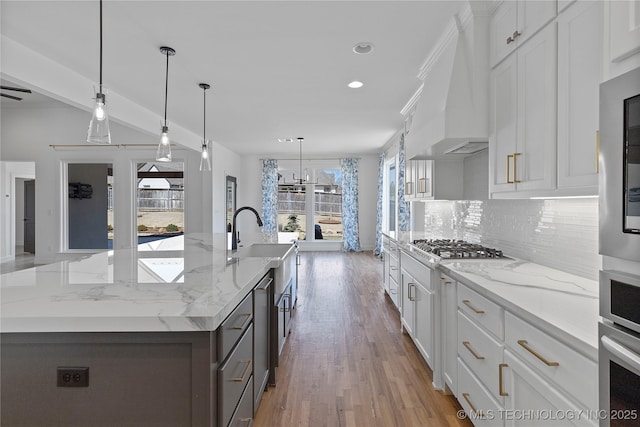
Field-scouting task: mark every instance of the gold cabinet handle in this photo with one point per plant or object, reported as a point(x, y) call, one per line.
point(509, 156)
point(467, 344)
point(445, 281)
point(249, 421)
point(393, 268)
point(525, 345)
point(411, 297)
point(500, 378)
point(408, 188)
point(422, 185)
point(473, 408)
point(515, 163)
point(244, 372)
point(513, 37)
point(246, 321)
point(597, 151)
point(475, 310)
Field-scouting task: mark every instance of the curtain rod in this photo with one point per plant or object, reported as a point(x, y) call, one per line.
point(102, 145)
point(311, 158)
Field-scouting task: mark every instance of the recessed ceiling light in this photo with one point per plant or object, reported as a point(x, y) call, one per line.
point(363, 48)
point(285, 139)
point(355, 84)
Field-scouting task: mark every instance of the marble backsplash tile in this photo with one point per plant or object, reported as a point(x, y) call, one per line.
point(558, 233)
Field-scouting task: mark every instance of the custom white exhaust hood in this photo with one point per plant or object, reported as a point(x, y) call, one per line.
point(449, 114)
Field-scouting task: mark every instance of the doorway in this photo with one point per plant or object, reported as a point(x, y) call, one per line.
point(29, 216)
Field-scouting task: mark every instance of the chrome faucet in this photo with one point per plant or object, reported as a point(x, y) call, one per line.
point(234, 236)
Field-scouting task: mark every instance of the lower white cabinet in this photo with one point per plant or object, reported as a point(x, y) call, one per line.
point(481, 408)
point(418, 308)
point(449, 326)
point(531, 400)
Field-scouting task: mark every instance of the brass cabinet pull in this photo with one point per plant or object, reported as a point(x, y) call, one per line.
point(515, 163)
point(408, 188)
point(445, 281)
point(597, 151)
point(475, 310)
point(393, 268)
point(525, 345)
point(500, 378)
point(473, 408)
point(249, 421)
point(411, 297)
point(246, 321)
point(467, 344)
point(509, 156)
point(422, 185)
point(244, 372)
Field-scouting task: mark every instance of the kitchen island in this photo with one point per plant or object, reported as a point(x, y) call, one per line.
point(145, 322)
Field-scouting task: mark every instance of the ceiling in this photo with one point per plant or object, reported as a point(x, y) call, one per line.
point(277, 69)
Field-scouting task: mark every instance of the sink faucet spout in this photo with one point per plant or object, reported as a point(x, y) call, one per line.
point(234, 235)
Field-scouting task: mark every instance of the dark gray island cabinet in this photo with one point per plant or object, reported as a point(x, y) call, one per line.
point(202, 378)
point(82, 345)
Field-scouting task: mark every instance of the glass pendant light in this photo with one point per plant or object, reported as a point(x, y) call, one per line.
point(98, 132)
point(164, 148)
point(205, 161)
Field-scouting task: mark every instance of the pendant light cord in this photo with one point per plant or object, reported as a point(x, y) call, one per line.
point(204, 125)
point(301, 178)
point(166, 90)
point(100, 46)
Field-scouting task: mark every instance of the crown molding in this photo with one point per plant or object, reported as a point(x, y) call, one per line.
point(410, 105)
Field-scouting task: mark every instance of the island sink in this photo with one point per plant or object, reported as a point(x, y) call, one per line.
point(265, 250)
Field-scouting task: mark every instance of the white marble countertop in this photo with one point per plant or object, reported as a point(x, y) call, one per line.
point(562, 304)
point(163, 285)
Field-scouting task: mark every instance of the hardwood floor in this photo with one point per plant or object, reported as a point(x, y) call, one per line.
point(346, 362)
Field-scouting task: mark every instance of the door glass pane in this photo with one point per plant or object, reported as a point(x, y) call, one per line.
point(292, 206)
point(90, 185)
point(160, 203)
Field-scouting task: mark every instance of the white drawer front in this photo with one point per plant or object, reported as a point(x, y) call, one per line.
point(482, 409)
point(415, 268)
point(394, 269)
point(486, 313)
point(481, 352)
point(567, 368)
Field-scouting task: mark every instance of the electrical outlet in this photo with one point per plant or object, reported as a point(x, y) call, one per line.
point(73, 377)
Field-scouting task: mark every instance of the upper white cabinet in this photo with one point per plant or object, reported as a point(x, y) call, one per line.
point(624, 29)
point(522, 145)
point(419, 179)
point(579, 77)
point(516, 21)
point(544, 108)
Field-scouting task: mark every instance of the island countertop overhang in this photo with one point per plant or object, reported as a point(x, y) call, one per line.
point(155, 287)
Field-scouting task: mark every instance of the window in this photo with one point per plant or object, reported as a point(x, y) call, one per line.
point(315, 205)
point(160, 202)
point(390, 195)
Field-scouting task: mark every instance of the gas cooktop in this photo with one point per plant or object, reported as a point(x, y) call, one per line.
point(456, 249)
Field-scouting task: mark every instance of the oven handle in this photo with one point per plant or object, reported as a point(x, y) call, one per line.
point(630, 357)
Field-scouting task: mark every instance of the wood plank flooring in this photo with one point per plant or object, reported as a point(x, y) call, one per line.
point(346, 362)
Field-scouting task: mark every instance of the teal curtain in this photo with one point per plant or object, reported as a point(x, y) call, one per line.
point(403, 205)
point(270, 195)
point(350, 233)
point(378, 249)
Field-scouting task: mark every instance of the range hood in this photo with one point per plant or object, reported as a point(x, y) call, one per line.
point(451, 116)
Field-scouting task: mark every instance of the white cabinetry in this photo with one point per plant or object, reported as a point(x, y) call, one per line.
point(508, 368)
point(391, 269)
point(579, 77)
point(419, 179)
point(544, 104)
point(523, 142)
point(516, 21)
point(418, 306)
point(624, 31)
point(449, 332)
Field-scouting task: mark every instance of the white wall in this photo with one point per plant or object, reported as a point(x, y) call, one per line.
point(475, 181)
point(26, 135)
